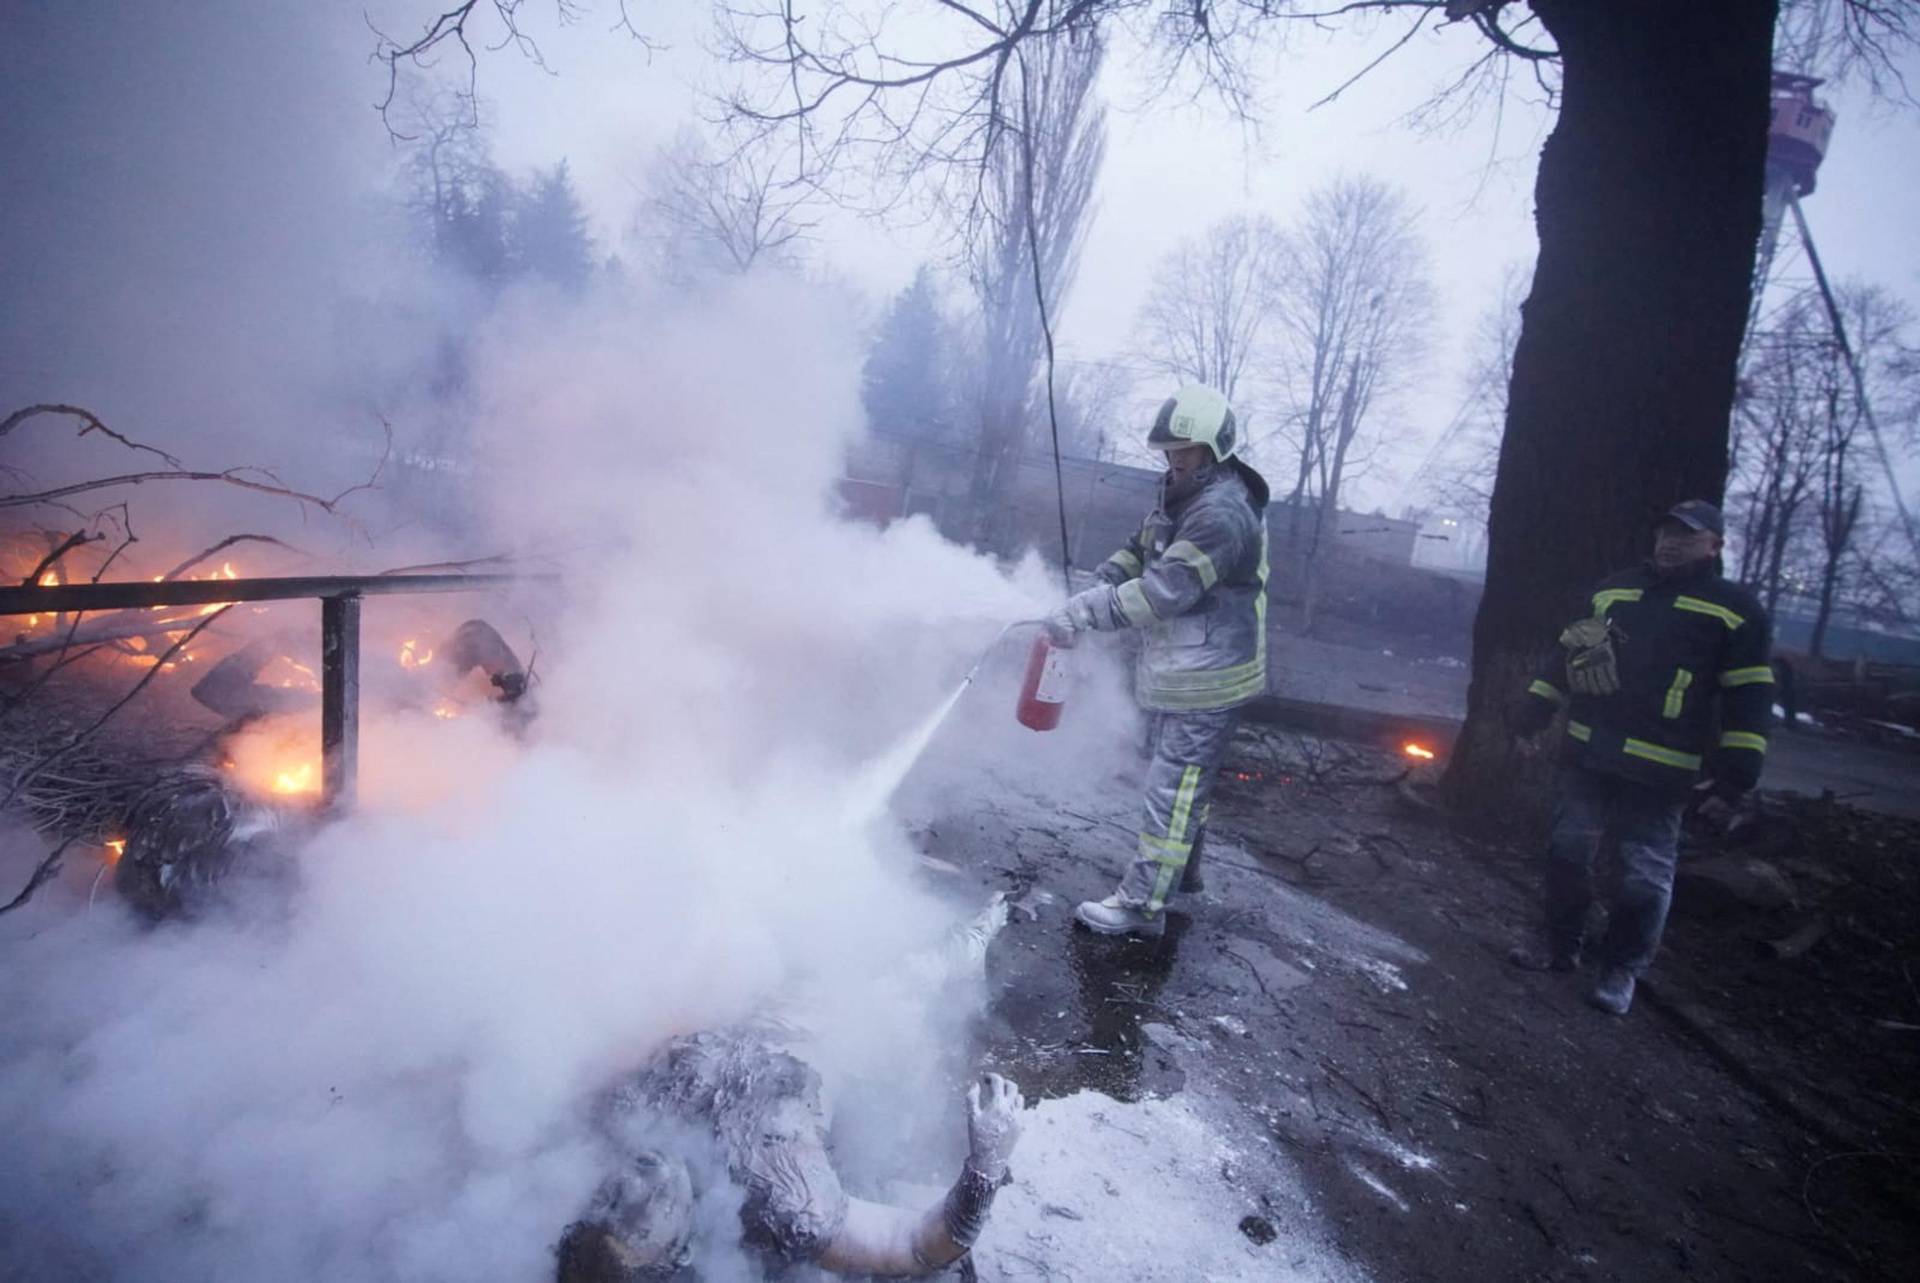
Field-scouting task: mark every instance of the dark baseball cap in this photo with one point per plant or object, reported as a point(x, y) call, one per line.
point(1697, 514)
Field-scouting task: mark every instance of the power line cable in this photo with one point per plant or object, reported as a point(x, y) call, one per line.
point(1046, 325)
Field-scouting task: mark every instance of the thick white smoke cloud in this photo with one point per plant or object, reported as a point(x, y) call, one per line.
point(391, 1081)
point(386, 1076)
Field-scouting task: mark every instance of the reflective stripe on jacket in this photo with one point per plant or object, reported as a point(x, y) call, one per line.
point(1194, 581)
point(1696, 686)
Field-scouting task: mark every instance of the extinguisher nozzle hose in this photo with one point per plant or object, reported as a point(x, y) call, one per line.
point(994, 645)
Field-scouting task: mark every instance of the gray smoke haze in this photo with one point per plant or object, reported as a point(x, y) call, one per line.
point(388, 1077)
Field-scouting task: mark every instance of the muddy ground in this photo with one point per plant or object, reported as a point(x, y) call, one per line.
point(1378, 1095)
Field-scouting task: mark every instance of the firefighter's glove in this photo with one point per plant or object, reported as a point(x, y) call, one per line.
point(1720, 803)
point(1076, 616)
point(1591, 666)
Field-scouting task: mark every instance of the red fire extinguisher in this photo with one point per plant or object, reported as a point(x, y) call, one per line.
point(1044, 693)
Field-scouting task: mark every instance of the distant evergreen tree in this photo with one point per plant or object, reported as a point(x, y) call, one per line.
point(907, 385)
point(471, 232)
point(550, 236)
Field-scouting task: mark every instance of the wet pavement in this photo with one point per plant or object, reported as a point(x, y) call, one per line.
point(1325, 1070)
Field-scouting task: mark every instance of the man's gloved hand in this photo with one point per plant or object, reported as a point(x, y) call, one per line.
point(993, 1125)
point(1591, 667)
point(1719, 803)
point(1076, 616)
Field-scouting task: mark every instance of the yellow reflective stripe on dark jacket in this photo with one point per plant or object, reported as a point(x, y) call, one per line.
point(1546, 690)
point(1660, 753)
point(1732, 619)
point(1606, 597)
point(1667, 720)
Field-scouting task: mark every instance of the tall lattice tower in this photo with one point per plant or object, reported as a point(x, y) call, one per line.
point(1798, 132)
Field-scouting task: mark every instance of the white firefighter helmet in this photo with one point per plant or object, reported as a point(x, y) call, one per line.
point(1196, 415)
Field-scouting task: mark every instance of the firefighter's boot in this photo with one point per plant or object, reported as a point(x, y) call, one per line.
point(1115, 917)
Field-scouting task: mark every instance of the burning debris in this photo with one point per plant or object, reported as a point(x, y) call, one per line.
point(272, 744)
point(398, 1030)
point(189, 833)
point(173, 824)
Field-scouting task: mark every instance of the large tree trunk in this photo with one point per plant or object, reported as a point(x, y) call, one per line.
point(1648, 208)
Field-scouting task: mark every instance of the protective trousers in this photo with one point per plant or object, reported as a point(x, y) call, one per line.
point(1187, 751)
point(1646, 824)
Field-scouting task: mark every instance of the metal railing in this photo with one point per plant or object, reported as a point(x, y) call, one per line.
point(339, 597)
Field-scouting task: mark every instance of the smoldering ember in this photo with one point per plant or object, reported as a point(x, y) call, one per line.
point(989, 639)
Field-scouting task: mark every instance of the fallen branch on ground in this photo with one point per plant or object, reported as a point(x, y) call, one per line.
point(79, 737)
point(42, 873)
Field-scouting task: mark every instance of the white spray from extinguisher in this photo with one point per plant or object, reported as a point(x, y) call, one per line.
point(877, 781)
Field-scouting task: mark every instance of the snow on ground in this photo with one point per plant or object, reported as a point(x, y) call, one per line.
point(1149, 1191)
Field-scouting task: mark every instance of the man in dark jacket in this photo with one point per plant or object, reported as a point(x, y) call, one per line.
point(1194, 583)
point(1667, 678)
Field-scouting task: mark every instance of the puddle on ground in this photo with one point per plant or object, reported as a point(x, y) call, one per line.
point(1057, 1030)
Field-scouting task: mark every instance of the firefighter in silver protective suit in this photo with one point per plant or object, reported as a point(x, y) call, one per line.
point(1194, 582)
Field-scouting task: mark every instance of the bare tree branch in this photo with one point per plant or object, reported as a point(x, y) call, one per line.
point(231, 476)
point(1385, 54)
point(90, 423)
point(67, 545)
point(42, 873)
point(222, 546)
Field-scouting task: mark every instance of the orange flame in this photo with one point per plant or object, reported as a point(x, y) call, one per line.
point(277, 758)
point(226, 571)
point(116, 847)
point(414, 655)
point(48, 579)
point(447, 710)
point(1420, 751)
point(304, 778)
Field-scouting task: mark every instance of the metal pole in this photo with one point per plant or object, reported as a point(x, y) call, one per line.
point(1859, 380)
point(339, 699)
point(35, 600)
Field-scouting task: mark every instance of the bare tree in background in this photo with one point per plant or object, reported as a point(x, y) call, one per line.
point(1093, 398)
point(1352, 305)
point(1802, 505)
point(1457, 474)
point(461, 202)
point(1790, 375)
point(1027, 230)
point(1884, 588)
point(1876, 322)
point(1646, 200)
point(1210, 304)
point(704, 214)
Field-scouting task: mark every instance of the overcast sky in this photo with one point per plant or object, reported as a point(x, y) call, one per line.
point(201, 163)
